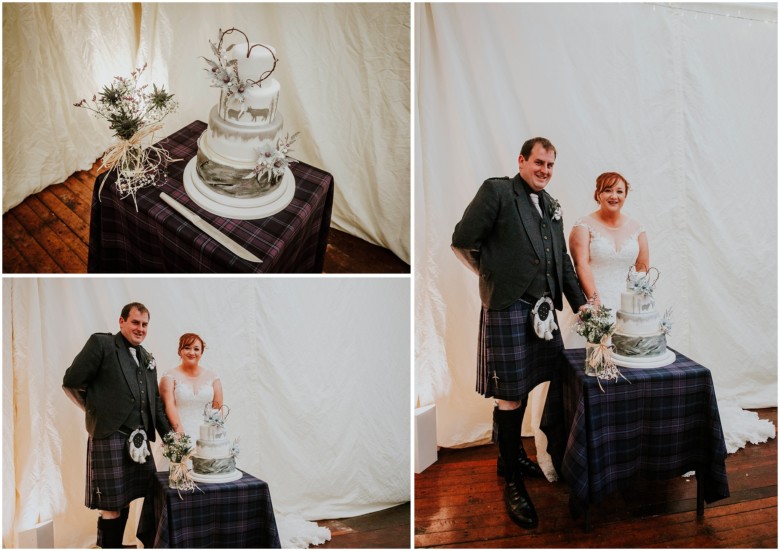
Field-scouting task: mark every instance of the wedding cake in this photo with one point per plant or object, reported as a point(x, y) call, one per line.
point(214, 459)
point(640, 333)
point(241, 169)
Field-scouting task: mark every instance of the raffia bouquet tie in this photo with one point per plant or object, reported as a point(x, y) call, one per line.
point(137, 165)
point(179, 476)
point(601, 361)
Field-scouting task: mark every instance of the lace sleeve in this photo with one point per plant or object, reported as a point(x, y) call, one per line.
point(581, 223)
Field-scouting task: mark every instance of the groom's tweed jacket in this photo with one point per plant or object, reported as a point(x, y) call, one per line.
point(102, 381)
point(500, 238)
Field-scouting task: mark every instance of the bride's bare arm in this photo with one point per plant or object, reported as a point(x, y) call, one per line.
point(217, 403)
point(579, 245)
point(166, 393)
point(643, 258)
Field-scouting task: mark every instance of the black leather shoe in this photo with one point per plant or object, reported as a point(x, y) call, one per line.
point(527, 466)
point(519, 506)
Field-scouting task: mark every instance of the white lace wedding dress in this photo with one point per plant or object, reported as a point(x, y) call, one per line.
point(612, 253)
point(192, 394)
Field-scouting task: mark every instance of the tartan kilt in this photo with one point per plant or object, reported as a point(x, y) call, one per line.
point(509, 349)
point(113, 479)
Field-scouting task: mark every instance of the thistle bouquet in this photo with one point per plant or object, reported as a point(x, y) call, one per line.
point(178, 449)
point(597, 326)
point(134, 113)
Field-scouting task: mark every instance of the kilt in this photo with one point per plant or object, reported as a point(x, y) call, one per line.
point(511, 359)
point(113, 479)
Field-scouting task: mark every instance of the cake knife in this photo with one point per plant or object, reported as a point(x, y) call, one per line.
point(210, 230)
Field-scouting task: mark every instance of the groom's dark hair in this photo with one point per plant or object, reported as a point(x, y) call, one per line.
point(528, 146)
point(138, 306)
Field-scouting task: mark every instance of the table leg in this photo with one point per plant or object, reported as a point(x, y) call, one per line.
point(699, 495)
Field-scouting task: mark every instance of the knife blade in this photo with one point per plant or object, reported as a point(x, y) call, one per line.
point(209, 230)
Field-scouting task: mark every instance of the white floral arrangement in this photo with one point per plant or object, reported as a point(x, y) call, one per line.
point(235, 450)
point(273, 161)
point(224, 74)
point(215, 416)
point(134, 114)
point(642, 283)
point(666, 322)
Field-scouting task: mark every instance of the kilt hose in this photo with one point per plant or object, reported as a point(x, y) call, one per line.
point(113, 479)
point(511, 359)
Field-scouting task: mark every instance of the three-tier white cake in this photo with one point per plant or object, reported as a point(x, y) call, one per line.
point(241, 168)
point(214, 459)
point(639, 339)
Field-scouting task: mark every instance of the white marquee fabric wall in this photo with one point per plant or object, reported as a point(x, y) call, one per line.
point(315, 372)
point(344, 71)
point(683, 104)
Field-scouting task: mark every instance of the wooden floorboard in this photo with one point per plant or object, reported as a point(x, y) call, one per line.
point(458, 503)
point(49, 233)
point(387, 529)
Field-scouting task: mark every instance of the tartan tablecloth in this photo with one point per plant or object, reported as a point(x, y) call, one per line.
point(227, 515)
point(661, 423)
point(157, 239)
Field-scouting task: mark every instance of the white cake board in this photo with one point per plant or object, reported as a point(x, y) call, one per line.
point(227, 477)
point(663, 360)
point(232, 207)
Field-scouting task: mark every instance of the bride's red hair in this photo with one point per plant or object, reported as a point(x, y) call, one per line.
point(188, 338)
point(607, 180)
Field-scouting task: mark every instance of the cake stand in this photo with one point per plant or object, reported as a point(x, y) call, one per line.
point(250, 208)
point(226, 477)
point(635, 362)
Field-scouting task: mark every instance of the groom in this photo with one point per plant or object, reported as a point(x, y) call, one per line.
point(511, 236)
point(113, 379)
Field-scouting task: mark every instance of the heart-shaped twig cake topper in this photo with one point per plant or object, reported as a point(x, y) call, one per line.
point(217, 415)
point(249, 49)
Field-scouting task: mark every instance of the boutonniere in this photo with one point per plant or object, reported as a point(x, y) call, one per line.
point(151, 363)
point(554, 209)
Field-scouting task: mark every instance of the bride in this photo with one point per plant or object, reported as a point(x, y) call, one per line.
point(185, 391)
point(606, 243)
point(187, 388)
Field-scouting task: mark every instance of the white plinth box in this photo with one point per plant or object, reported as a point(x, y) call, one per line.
point(425, 449)
point(41, 536)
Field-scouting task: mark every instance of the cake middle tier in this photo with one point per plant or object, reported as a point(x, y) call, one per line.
point(213, 448)
point(230, 144)
point(637, 324)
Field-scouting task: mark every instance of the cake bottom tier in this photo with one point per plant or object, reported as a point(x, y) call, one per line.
point(231, 181)
point(645, 346)
point(208, 465)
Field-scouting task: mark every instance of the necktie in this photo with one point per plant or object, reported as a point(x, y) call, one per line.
point(134, 354)
point(535, 200)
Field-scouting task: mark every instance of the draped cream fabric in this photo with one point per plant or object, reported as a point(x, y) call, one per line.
point(344, 71)
point(684, 105)
point(315, 372)
point(53, 56)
